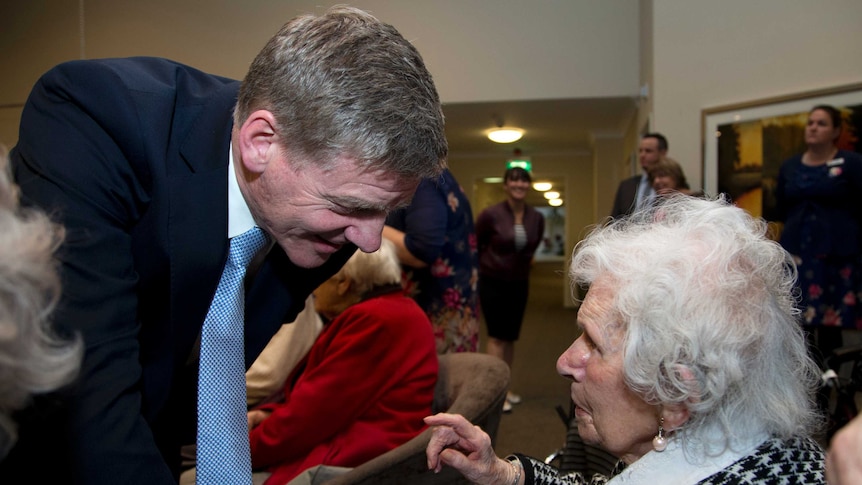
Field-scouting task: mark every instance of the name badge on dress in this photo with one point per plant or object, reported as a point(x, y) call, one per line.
point(835, 166)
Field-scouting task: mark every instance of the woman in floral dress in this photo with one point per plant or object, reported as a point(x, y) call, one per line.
point(436, 244)
point(819, 196)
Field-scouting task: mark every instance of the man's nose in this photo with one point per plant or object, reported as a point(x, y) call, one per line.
point(366, 234)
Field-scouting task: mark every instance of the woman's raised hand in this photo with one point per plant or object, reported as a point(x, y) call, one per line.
point(457, 443)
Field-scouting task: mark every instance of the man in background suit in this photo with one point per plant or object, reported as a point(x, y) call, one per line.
point(636, 192)
point(152, 166)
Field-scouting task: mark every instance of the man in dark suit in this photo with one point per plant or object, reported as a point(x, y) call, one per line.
point(152, 166)
point(635, 192)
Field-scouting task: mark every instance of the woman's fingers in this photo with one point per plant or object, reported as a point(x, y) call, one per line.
point(458, 423)
point(458, 443)
point(442, 437)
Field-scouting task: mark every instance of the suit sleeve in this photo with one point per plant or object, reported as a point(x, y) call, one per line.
point(615, 210)
point(79, 157)
point(620, 208)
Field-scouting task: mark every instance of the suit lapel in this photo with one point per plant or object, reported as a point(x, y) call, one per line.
point(197, 224)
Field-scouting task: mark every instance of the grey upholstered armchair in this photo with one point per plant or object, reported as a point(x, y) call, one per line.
point(471, 384)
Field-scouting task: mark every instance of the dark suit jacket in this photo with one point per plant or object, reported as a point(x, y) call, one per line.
point(131, 155)
point(627, 192)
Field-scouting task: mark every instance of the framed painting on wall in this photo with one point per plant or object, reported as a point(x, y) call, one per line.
point(744, 144)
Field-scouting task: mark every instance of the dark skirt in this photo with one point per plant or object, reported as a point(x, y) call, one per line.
point(503, 304)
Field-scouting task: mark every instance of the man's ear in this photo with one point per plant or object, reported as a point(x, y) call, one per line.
point(258, 141)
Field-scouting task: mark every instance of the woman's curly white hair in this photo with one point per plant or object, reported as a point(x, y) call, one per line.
point(706, 302)
point(33, 359)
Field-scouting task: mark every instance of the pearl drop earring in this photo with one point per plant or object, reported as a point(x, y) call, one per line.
point(659, 443)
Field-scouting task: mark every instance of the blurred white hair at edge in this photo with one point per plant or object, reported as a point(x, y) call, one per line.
point(33, 358)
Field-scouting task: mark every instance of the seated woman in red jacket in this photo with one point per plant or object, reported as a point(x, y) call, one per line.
point(364, 386)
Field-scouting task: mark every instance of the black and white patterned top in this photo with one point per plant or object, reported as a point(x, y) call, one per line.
point(798, 461)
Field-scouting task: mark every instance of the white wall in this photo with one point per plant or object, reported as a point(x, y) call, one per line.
point(692, 55)
point(702, 54)
point(712, 53)
point(477, 50)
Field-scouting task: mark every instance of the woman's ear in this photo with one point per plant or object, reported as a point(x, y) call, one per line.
point(257, 141)
point(837, 134)
point(676, 415)
point(343, 286)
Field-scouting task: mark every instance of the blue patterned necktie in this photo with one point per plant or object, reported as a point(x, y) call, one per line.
point(223, 455)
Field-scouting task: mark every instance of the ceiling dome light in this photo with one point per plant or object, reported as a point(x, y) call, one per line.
point(542, 186)
point(556, 202)
point(505, 135)
point(550, 195)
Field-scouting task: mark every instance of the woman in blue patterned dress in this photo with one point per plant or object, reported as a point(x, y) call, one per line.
point(436, 245)
point(819, 199)
point(691, 369)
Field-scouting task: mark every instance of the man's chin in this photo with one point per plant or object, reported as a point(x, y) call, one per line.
point(309, 261)
point(308, 254)
point(305, 256)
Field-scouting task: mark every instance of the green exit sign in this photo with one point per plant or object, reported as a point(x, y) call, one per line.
point(525, 164)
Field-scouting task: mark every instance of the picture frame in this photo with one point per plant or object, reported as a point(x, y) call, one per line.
point(745, 143)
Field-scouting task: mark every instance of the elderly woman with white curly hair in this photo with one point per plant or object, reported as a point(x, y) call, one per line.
point(691, 367)
point(33, 359)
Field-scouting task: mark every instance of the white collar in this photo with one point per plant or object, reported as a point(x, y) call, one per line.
point(673, 466)
point(239, 218)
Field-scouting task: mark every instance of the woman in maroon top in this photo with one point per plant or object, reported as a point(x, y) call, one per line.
point(508, 234)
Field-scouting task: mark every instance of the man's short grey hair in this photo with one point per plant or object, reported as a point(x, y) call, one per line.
point(705, 300)
point(346, 84)
point(33, 359)
point(370, 270)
